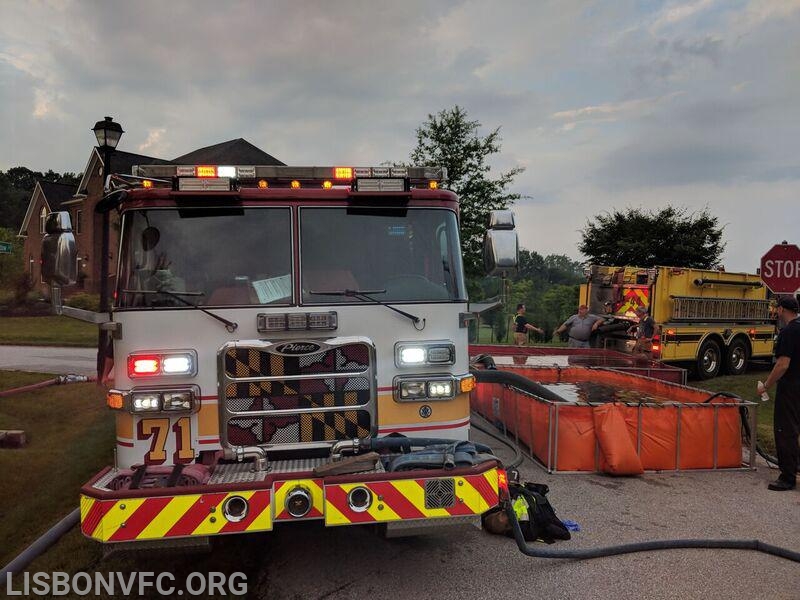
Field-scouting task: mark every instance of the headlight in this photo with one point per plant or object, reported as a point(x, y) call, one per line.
point(145, 402)
point(438, 352)
point(412, 389)
point(440, 389)
point(183, 400)
point(434, 387)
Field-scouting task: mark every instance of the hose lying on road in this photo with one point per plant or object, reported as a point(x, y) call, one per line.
point(512, 379)
point(40, 546)
point(535, 552)
point(59, 380)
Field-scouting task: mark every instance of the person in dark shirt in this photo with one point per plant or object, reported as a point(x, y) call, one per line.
point(522, 327)
point(644, 331)
point(786, 373)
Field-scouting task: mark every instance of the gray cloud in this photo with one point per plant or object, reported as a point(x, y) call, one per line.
point(695, 96)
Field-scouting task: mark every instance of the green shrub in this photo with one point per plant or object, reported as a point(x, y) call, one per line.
point(84, 301)
point(23, 286)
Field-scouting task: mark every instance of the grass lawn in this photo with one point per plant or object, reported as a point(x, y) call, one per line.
point(48, 331)
point(71, 436)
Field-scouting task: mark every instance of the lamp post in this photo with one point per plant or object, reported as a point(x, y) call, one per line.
point(108, 134)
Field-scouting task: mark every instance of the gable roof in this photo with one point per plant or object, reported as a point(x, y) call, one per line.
point(121, 162)
point(235, 152)
point(54, 195)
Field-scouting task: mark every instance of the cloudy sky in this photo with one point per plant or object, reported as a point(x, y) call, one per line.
point(607, 104)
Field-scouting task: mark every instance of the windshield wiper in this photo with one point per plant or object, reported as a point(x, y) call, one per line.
point(231, 326)
point(365, 295)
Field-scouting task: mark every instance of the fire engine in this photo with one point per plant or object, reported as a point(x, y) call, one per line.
point(289, 344)
point(714, 321)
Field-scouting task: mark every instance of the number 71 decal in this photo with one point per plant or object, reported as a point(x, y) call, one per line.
point(157, 430)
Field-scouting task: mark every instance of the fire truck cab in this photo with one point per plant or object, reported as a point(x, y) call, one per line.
point(288, 343)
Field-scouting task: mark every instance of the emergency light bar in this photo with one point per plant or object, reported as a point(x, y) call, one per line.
point(362, 179)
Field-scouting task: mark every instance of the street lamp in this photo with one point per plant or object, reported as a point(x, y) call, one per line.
point(108, 134)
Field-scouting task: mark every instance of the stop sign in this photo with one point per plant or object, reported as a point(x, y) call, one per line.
point(780, 268)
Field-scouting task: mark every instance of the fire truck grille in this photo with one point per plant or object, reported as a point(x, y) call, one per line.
point(306, 427)
point(254, 362)
point(314, 398)
point(440, 493)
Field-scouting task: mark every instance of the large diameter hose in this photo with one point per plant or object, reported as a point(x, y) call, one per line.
point(40, 546)
point(535, 552)
point(517, 381)
point(60, 380)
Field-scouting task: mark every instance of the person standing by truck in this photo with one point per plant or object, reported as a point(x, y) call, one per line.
point(580, 327)
point(522, 327)
point(645, 331)
point(786, 373)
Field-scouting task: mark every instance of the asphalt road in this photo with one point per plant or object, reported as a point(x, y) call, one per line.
point(308, 561)
point(49, 359)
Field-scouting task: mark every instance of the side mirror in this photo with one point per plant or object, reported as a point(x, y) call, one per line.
point(58, 250)
point(501, 246)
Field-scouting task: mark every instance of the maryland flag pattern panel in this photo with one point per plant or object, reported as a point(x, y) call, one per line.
point(334, 378)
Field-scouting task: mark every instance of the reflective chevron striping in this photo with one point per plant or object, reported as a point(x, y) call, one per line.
point(405, 499)
point(201, 514)
point(312, 486)
point(171, 516)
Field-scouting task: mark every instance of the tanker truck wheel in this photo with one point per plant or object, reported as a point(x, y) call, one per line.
point(709, 360)
point(736, 357)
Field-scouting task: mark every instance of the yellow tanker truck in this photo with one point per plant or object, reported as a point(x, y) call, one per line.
point(711, 320)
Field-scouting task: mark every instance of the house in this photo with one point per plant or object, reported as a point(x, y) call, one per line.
point(47, 197)
point(80, 203)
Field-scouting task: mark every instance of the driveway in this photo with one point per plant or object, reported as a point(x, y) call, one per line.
point(48, 359)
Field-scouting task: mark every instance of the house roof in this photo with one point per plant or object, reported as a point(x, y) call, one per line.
point(236, 152)
point(54, 194)
point(122, 162)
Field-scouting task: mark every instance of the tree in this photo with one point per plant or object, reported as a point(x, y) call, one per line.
point(670, 237)
point(450, 140)
point(16, 186)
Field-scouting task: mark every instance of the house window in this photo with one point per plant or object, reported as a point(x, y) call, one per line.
point(42, 219)
point(76, 226)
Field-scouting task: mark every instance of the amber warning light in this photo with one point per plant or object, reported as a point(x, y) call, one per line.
point(342, 172)
point(205, 171)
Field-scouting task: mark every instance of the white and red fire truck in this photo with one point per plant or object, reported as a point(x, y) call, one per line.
point(270, 325)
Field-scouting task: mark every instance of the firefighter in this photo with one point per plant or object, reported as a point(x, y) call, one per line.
point(522, 327)
point(786, 373)
point(644, 331)
point(580, 326)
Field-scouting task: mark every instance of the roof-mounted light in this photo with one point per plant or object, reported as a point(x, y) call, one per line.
point(343, 173)
point(205, 171)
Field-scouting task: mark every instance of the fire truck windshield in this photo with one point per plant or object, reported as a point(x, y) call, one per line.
point(213, 257)
point(404, 255)
point(243, 256)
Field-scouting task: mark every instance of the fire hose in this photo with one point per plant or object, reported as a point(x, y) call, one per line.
point(58, 380)
point(493, 376)
point(62, 527)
